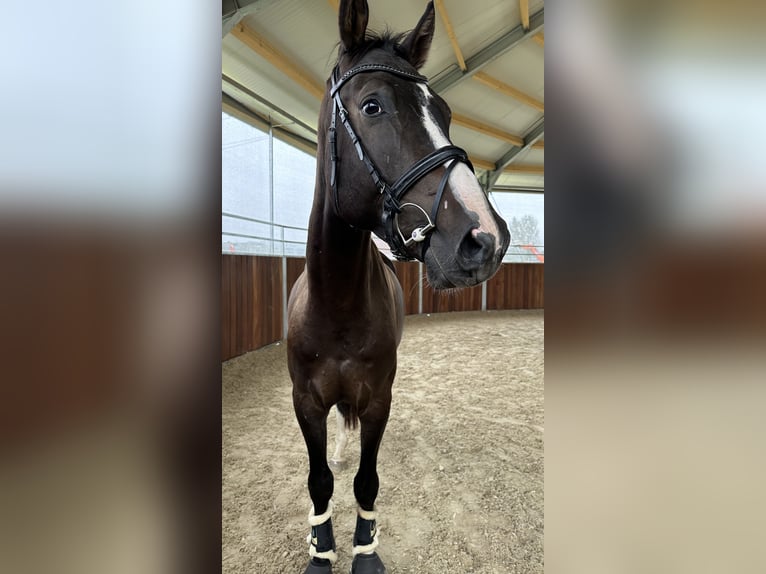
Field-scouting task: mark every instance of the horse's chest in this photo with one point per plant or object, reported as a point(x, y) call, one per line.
point(351, 355)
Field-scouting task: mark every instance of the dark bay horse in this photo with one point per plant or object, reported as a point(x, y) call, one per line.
point(385, 165)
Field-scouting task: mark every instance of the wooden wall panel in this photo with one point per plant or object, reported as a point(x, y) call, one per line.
point(226, 336)
point(251, 296)
point(538, 287)
point(446, 301)
point(409, 276)
point(251, 303)
point(267, 309)
point(517, 286)
point(227, 290)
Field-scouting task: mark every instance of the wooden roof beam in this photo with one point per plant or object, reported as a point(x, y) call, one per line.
point(451, 33)
point(525, 168)
point(470, 123)
point(504, 88)
point(260, 46)
point(524, 11)
point(486, 165)
point(484, 56)
point(264, 102)
point(483, 164)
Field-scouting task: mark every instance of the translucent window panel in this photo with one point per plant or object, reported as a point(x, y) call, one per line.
point(244, 185)
point(294, 173)
point(247, 194)
point(525, 215)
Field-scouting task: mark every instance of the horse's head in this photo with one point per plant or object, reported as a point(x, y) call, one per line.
point(388, 161)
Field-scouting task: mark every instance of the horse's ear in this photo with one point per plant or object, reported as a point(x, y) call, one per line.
point(417, 43)
point(352, 21)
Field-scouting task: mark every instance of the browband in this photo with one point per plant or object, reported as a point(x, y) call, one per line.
point(338, 82)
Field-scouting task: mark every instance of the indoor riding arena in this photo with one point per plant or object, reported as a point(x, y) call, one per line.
point(461, 462)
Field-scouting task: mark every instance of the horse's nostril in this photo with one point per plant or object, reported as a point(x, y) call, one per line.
point(476, 247)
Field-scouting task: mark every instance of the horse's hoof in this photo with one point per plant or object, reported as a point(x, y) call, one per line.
point(367, 564)
point(338, 464)
point(318, 567)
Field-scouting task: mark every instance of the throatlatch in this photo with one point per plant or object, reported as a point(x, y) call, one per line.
point(321, 543)
point(392, 205)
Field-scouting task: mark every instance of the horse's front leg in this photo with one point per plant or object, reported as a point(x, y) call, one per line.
point(313, 422)
point(366, 483)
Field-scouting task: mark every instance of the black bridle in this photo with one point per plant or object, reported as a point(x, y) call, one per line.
point(392, 205)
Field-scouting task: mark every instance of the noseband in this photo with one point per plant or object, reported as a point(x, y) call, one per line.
point(392, 205)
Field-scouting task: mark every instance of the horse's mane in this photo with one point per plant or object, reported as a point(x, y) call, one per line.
point(387, 40)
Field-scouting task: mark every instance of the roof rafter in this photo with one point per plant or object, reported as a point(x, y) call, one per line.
point(271, 54)
point(470, 123)
point(472, 69)
point(484, 56)
point(525, 168)
point(276, 109)
point(258, 44)
point(487, 165)
point(524, 12)
point(504, 88)
point(451, 33)
point(232, 11)
point(483, 164)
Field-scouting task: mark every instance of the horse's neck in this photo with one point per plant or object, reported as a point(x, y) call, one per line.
point(341, 261)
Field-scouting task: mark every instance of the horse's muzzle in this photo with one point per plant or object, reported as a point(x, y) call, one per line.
point(478, 255)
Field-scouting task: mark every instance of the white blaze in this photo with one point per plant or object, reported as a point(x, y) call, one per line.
point(462, 181)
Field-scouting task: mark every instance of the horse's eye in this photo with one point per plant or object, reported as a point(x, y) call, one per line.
point(371, 108)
